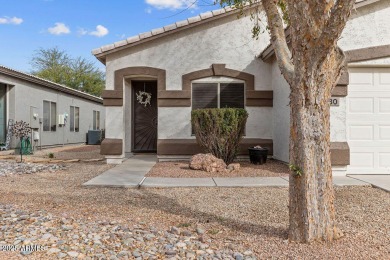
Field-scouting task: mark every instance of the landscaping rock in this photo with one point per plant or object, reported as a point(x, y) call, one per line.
point(207, 162)
point(200, 231)
point(233, 167)
point(53, 251)
point(68, 238)
point(8, 168)
point(73, 254)
point(175, 230)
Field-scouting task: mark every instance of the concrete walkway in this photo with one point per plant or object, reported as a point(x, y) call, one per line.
point(378, 181)
point(128, 174)
point(131, 173)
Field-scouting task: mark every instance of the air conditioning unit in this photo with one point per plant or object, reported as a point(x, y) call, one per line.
point(93, 137)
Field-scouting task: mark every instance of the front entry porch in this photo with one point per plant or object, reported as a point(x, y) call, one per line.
point(144, 116)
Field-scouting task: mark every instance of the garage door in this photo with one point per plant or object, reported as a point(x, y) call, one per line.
point(368, 120)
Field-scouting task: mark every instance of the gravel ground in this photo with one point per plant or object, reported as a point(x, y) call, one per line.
point(236, 219)
point(181, 169)
point(9, 168)
point(71, 152)
point(66, 237)
point(68, 152)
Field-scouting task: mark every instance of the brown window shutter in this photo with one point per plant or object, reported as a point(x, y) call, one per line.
point(232, 95)
point(204, 95)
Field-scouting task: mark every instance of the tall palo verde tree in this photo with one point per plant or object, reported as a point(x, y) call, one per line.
point(312, 67)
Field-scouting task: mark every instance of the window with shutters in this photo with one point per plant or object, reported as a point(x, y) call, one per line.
point(218, 95)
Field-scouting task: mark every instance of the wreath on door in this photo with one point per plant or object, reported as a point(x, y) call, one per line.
point(144, 98)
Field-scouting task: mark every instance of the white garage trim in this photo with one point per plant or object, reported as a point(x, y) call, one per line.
point(368, 120)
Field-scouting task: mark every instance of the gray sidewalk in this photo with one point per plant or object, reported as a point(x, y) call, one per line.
point(131, 173)
point(378, 181)
point(128, 174)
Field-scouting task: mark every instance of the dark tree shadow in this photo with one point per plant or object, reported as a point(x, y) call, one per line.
point(162, 203)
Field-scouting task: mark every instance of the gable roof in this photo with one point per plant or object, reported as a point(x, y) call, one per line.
point(47, 83)
point(102, 52)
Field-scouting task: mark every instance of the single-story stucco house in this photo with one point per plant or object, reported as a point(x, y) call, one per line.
point(58, 115)
point(211, 60)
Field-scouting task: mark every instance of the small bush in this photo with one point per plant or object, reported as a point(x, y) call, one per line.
point(51, 155)
point(220, 130)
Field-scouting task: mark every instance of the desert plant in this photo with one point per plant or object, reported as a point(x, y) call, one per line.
point(51, 155)
point(21, 130)
point(219, 130)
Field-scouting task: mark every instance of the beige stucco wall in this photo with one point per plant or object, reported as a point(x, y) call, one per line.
point(368, 26)
point(227, 40)
point(281, 114)
point(24, 96)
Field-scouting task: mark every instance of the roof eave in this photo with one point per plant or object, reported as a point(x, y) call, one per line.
point(102, 52)
point(43, 82)
point(269, 52)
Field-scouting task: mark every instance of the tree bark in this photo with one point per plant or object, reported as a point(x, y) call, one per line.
point(317, 62)
point(311, 210)
point(311, 205)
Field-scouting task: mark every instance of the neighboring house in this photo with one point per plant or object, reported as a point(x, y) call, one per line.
point(211, 60)
point(58, 115)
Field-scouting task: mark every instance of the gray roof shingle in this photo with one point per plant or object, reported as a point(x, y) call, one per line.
point(158, 31)
point(47, 83)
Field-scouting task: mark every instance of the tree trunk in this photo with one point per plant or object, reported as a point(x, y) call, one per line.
point(312, 69)
point(311, 209)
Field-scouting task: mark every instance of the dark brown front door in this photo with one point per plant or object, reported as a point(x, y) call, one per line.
point(144, 117)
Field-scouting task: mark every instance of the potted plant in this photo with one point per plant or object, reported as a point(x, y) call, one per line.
point(258, 154)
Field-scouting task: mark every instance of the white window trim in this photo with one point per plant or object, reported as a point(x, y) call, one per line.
point(219, 81)
point(50, 123)
point(74, 120)
point(95, 118)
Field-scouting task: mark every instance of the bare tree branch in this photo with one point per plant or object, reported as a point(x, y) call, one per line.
point(335, 24)
point(320, 11)
point(278, 39)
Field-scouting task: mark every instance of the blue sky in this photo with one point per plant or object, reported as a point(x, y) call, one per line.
point(78, 26)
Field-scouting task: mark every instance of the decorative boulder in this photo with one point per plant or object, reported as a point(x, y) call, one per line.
point(233, 167)
point(207, 162)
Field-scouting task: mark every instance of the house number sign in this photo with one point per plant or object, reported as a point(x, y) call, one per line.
point(334, 102)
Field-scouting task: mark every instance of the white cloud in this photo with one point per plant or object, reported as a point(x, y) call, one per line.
point(171, 4)
point(148, 10)
point(58, 29)
point(82, 31)
point(11, 20)
point(100, 31)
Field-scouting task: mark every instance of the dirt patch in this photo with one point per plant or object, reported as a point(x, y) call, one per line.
point(84, 148)
point(82, 152)
point(181, 169)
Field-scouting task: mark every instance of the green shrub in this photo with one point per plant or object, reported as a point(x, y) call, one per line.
point(51, 155)
point(219, 130)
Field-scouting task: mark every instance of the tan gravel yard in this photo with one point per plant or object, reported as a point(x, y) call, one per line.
point(240, 218)
point(71, 152)
point(181, 169)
